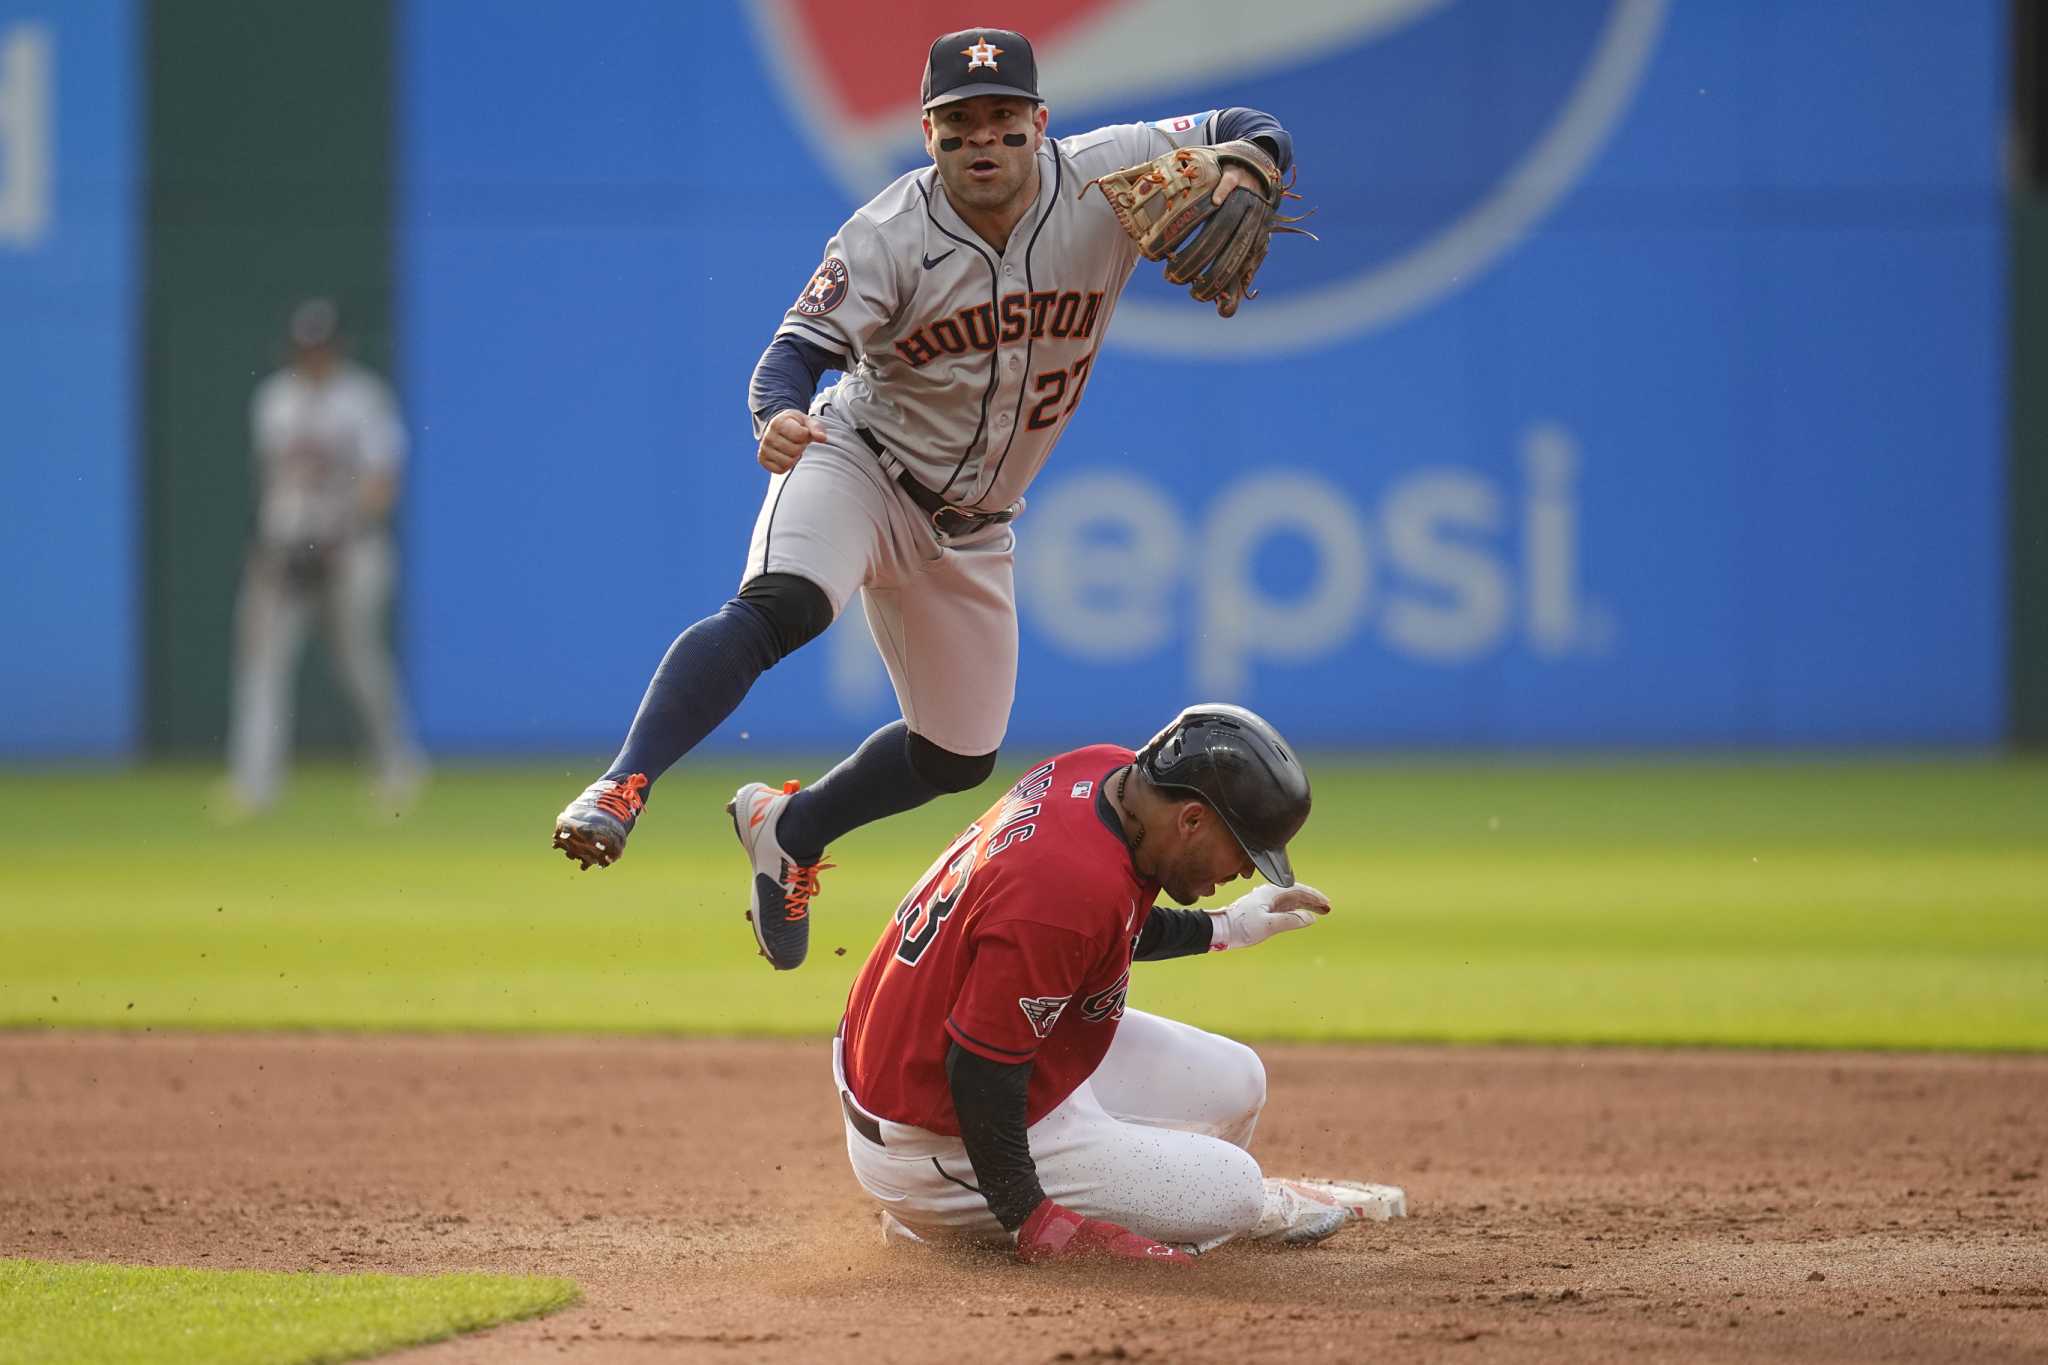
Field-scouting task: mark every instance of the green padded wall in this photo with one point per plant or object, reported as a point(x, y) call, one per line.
point(270, 144)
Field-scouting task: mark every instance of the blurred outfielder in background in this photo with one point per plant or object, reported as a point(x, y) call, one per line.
point(327, 447)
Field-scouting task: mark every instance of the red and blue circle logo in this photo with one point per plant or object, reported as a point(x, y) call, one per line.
point(1432, 136)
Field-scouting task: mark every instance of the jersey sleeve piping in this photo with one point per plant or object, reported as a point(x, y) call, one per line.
point(831, 342)
point(989, 1051)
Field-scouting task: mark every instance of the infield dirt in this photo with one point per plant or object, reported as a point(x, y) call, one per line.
point(1569, 1205)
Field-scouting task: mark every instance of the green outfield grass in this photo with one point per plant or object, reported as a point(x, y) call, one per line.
point(1856, 903)
point(56, 1312)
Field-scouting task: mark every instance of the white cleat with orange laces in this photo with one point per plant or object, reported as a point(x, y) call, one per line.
point(780, 894)
point(594, 827)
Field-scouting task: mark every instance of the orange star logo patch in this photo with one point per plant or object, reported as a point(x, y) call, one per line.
point(983, 53)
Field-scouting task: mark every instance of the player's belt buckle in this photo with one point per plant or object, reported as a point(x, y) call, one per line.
point(952, 522)
point(947, 521)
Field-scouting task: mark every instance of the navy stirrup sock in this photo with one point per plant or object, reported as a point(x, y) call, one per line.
point(706, 673)
point(876, 780)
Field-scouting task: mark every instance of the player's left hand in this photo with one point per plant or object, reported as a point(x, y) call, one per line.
point(1258, 915)
point(1209, 212)
point(1235, 178)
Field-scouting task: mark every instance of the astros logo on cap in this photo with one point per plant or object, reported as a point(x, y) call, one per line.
point(982, 53)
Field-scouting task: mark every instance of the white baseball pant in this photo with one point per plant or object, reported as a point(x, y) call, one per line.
point(272, 616)
point(1154, 1140)
point(943, 612)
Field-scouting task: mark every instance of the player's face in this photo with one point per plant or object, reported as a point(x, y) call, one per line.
point(984, 171)
point(1204, 855)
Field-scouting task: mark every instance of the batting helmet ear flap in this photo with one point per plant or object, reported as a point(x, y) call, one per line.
point(1237, 763)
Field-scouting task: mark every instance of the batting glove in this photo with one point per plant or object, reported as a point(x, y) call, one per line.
point(1054, 1233)
point(1258, 915)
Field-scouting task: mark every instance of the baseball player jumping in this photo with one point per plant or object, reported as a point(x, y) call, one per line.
point(993, 1081)
point(965, 304)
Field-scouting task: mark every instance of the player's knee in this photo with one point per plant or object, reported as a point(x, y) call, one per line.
point(946, 770)
point(1240, 1080)
point(1240, 1192)
point(796, 608)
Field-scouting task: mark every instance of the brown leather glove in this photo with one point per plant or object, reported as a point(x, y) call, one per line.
point(1167, 207)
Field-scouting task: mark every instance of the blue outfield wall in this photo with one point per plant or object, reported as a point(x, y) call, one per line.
point(69, 296)
point(1646, 385)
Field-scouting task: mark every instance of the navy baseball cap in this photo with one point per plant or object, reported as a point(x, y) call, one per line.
point(980, 61)
point(315, 322)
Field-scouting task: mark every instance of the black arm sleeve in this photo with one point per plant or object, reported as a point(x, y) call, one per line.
point(1239, 124)
point(989, 1098)
point(786, 376)
point(1174, 933)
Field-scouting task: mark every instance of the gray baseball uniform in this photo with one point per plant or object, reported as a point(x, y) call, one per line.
point(316, 441)
point(965, 365)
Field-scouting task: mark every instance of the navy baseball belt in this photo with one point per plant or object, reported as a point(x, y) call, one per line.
point(862, 1123)
point(946, 519)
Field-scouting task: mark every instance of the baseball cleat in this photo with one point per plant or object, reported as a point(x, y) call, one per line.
point(1298, 1214)
point(594, 827)
point(1364, 1202)
point(779, 900)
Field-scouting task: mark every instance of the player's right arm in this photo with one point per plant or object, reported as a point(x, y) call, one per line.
point(990, 1101)
point(783, 438)
point(780, 397)
point(988, 1070)
point(838, 314)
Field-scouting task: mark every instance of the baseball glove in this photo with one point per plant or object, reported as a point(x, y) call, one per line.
point(1165, 204)
point(305, 565)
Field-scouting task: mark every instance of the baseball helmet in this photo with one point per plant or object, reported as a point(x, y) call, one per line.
point(1237, 763)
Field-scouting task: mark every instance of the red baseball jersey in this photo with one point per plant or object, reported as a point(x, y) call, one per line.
point(1016, 945)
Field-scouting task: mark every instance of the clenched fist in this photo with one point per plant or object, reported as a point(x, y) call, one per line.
point(784, 438)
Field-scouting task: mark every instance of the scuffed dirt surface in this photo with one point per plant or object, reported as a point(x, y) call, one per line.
point(1570, 1205)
